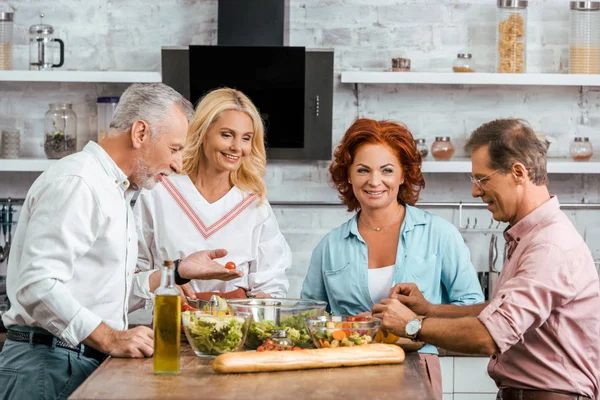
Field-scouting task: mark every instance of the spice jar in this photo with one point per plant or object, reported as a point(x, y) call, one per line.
point(442, 149)
point(400, 64)
point(584, 38)
point(581, 149)
point(281, 339)
point(60, 124)
point(511, 36)
point(464, 63)
point(422, 147)
point(6, 40)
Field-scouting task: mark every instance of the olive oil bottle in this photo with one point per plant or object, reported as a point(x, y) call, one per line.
point(167, 322)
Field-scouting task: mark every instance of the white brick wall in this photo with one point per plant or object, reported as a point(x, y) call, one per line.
point(365, 34)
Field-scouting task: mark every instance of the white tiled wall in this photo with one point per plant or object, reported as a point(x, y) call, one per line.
point(365, 34)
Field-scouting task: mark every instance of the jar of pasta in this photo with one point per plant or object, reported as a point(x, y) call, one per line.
point(511, 36)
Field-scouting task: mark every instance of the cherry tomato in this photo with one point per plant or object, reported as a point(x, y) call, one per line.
point(230, 265)
point(260, 348)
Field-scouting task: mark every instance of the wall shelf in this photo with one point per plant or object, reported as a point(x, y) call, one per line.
point(457, 165)
point(478, 78)
point(80, 76)
point(554, 166)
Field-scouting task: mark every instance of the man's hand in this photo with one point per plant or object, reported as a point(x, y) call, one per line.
point(393, 315)
point(200, 265)
point(410, 295)
point(132, 343)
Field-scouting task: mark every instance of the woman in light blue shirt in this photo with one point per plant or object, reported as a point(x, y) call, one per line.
point(377, 171)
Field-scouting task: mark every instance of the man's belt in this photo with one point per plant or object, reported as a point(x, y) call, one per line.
point(47, 339)
point(524, 394)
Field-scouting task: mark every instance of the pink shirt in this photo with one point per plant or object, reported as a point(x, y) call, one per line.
point(545, 314)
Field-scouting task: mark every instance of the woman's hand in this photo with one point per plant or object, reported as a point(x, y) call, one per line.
point(262, 295)
point(200, 265)
point(186, 293)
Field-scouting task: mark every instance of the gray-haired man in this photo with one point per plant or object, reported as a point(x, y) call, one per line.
point(71, 271)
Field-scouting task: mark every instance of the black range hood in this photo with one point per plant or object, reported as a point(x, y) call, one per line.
point(291, 86)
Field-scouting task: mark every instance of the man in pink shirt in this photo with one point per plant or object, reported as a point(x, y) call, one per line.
point(542, 326)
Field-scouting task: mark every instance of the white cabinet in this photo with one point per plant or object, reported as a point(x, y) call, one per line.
point(470, 375)
point(447, 365)
point(466, 378)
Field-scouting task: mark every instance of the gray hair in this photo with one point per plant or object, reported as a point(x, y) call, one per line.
point(148, 102)
point(511, 141)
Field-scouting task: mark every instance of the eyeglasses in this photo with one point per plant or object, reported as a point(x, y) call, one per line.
point(481, 182)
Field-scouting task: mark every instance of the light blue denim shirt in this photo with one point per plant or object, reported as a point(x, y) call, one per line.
point(431, 253)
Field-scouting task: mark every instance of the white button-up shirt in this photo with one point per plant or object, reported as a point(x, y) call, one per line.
point(74, 252)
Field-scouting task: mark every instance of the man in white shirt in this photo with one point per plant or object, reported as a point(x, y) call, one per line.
point(71, 280)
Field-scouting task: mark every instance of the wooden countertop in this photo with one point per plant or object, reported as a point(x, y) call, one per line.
point(119, 378)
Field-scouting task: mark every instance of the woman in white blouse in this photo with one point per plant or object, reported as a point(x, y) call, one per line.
point(218, 202)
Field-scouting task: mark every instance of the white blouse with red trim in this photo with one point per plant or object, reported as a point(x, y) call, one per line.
point(173, 220)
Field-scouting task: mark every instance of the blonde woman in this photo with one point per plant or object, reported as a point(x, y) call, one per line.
point(218, 202)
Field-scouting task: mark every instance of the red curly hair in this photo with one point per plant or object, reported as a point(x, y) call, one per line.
point(398, 138)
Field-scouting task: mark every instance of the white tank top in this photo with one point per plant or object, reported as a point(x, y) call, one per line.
point(380, 283)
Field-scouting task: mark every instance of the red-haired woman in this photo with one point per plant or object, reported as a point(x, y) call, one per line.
point(377, 171)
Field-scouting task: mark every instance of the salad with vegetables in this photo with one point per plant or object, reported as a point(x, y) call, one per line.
point(209, 334)
point(353, 331)
point(293, 325)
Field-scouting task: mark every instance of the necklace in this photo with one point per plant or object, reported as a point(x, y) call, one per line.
point(377, 229)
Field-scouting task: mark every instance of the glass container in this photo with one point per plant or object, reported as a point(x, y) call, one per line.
point(42, 51)
point(280, 339)
point(581, 149)
point(274, 314)
point(106, 109)
point(400, 64)
point(11, 143)
point(584, 38)
point(422, 147)
point(6, 40)
point(442, 149)
point(167, 322)
point(463, 63)
point(511, 36)
point(60, 124)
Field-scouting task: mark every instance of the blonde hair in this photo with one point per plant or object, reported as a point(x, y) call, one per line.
point(249, 176)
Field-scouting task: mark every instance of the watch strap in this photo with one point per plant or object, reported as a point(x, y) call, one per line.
point(178, 279)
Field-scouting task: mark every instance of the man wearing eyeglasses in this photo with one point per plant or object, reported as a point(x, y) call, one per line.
point(542, 326)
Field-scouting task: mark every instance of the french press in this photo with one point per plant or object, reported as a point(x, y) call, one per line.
point(41, 52)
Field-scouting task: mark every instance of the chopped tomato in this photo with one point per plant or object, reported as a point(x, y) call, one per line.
point(260, 348)
point(187, 307)
point(230, 265)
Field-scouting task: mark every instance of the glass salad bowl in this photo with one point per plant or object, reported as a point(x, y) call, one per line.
point(338, 331)
point(210, 335)
point(278, 314)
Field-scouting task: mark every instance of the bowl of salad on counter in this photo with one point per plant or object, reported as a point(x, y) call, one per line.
point(270, 315)
point(338, 331)
point(210, 335)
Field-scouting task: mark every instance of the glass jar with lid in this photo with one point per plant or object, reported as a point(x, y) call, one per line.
point(60, 125)
point(511, 36)
point(442, 149)
point(422, 147)
point(106, 108)
point(6, 40)
point(463, 63)
point(581, 149)
point(584, 37)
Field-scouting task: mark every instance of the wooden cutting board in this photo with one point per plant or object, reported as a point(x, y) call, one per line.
point(371, 354)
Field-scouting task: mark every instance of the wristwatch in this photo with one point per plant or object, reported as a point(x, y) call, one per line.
point(413, 327)
point(178, 279)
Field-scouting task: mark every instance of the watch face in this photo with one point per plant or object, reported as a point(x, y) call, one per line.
point(413, 326)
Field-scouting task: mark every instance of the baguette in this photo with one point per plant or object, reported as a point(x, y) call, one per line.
point(371, 354)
